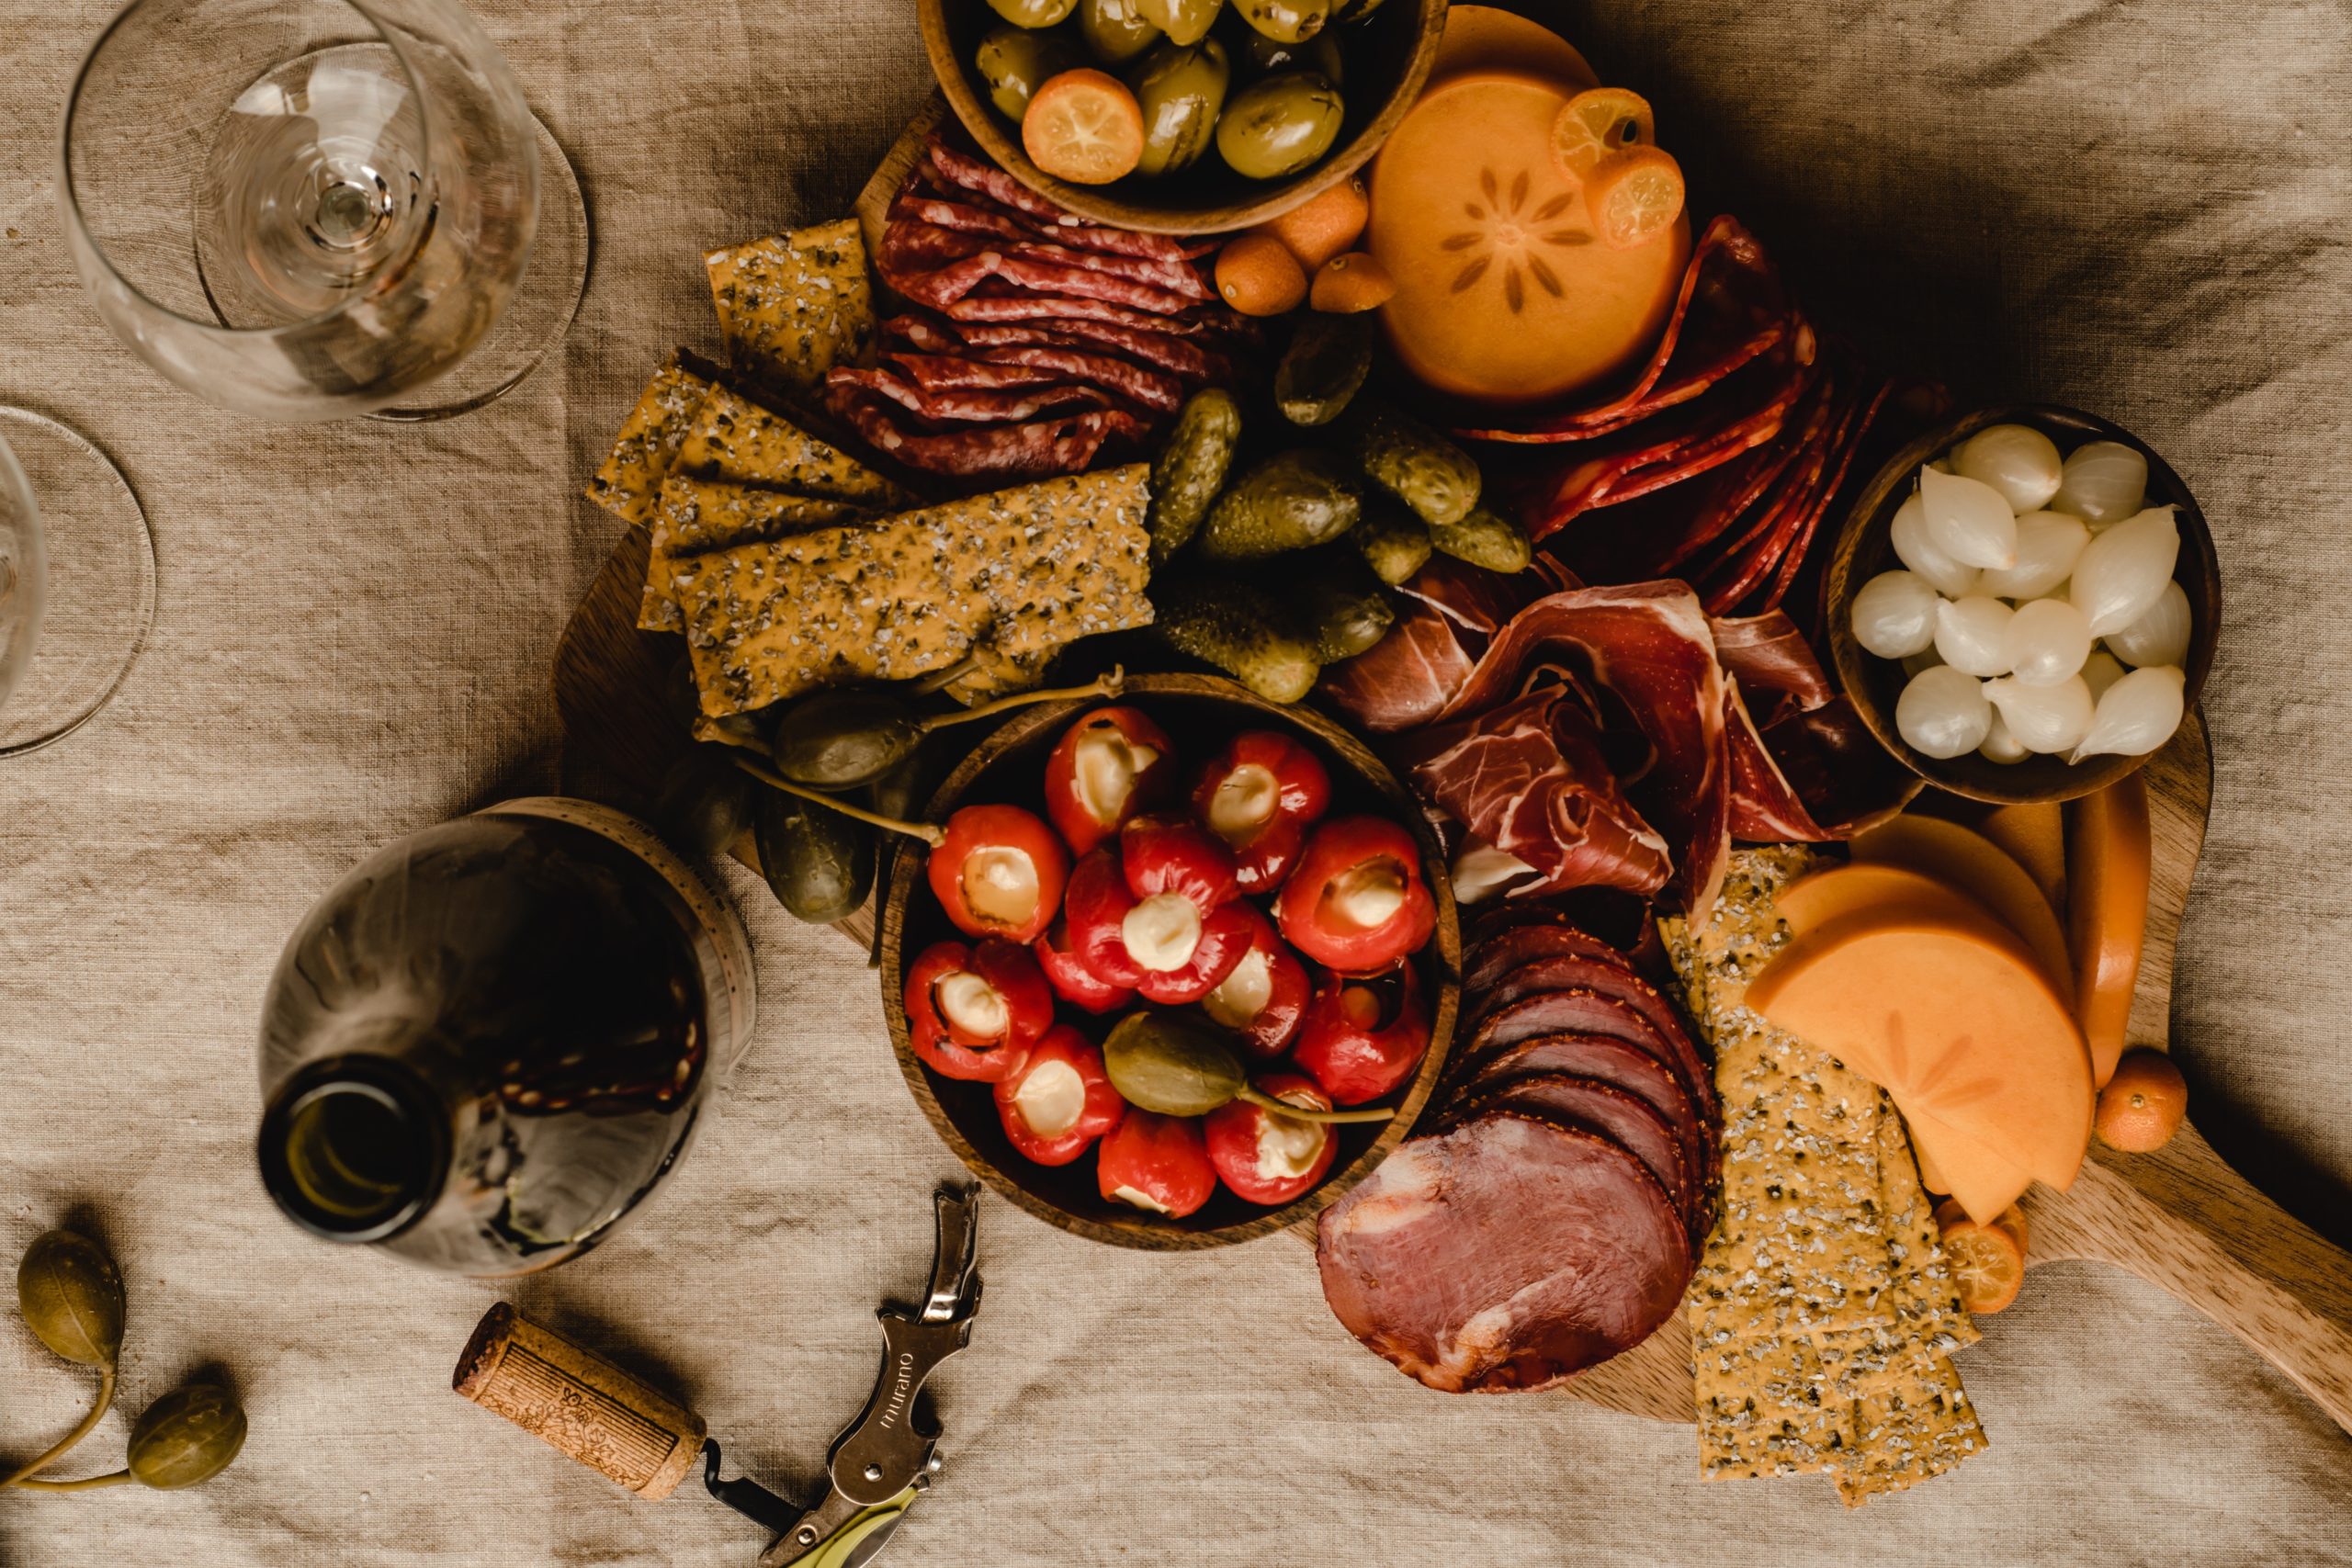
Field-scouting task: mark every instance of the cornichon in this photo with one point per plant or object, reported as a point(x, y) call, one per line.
point(1293, 501)
point(1412, 462)
point(1343, 617)
point(819, 863)
point(1394, 542)
point(1324, 367)
point(1484, 539)
point(1191, 469)
point(1238, 629)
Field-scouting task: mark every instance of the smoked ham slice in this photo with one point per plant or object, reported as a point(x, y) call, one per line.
point(1604, 1109)
point(1601, 1056)
point(1509, 1253)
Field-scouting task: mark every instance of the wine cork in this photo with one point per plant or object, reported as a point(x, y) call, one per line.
point(578, 1403)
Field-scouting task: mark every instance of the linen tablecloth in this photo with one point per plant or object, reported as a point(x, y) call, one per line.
point(2135, 207)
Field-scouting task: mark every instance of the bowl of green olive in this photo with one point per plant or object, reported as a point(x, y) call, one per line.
point(1180, 117)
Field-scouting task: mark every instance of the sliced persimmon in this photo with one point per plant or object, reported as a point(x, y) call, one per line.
point(1085, 127)
point(1598, 122)
point(1987, 1264)
point(1633, 196)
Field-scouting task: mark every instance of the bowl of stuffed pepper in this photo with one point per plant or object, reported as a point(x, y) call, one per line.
point(1181, 967)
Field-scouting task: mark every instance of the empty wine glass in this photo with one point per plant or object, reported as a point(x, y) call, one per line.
point(306, 209)
point(77, 581)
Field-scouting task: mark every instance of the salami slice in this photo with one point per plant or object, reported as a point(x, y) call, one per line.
point(1179, 356)
point(954, 373)
point(1607, 1110)
point(1150, 387)
point(989, 407)
point(1020, 305)
point(965, 171)
point(1511, 1253)
point(1030, 449)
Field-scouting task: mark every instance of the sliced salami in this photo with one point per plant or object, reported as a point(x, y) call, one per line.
point(1607, 1110)
point(1020, 305)
point(1031, 449)
point(965, 171)
point(979, 406)
point(1509, 1253)
point(954, 373)
point(1179, 356)
point(1147, 387)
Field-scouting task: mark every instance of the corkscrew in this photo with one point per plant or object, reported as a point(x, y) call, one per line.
point(881, 1462)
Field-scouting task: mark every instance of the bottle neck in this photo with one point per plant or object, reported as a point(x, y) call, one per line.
point(355, 1147)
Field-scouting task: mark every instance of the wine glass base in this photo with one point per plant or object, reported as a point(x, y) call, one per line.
point(540, 313)
point(101, 583)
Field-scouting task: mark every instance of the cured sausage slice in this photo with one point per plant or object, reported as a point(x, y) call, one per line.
point(1605, 1109)
point(1509, 1253)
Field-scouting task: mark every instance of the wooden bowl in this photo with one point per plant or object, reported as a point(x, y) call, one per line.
point(1387, 58)
point(1200, 713)
point(1865, 548)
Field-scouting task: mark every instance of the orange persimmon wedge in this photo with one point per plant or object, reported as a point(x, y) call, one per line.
point(1085, 127)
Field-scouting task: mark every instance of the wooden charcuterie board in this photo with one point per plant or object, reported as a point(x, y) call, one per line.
point(2180, 1218)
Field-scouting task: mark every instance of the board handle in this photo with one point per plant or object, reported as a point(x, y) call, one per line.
point(578, 1403)
point(2184, 1221)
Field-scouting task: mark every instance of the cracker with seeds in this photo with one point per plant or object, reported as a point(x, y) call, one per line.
point(794, 305)
point(696, 516)
point(734, 439)
point(629, 483)
point(1017, 573)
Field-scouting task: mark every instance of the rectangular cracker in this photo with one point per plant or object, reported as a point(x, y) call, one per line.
point(696, 516)
point(629, 483)
point(1760, 1412)
point(794, 305)
point(734, 439)
point(1021, 572)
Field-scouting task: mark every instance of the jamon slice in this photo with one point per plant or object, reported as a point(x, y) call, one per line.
point(1604, 1109)
point(1511, 1253)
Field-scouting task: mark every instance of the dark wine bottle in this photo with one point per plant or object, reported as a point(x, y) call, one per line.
point(489, 1041)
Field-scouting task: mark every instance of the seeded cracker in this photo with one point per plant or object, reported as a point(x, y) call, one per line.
point(1017, 573)
point(1822, 1310)
point(794, 305)
point(734, 439)
point(696, 516)
point(630, 482)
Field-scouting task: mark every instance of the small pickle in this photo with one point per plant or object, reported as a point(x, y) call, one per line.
point(843, 738)
point(189, 1435)
point(1484, 539)
point(1255, 54)
point(1117, 31)
point(1395, 542)
point(1293, 501)
point(1412, 462)
point(1015, 63)
point(1279, 125)
point(818, 864)
point(1285, 21)
point(1324, 367)
point(1341, 613)
point(1181, 90)
point(1033, 12)
point(1184, 21)
point(1191, 469)
point(705, 805)
point(1237, 630)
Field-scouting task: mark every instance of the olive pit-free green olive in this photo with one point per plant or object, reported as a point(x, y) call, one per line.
point(1117, 31)
point(1181, 90)
point(818, 862)
point(1279, 125)
point(72, 1298)
point(1033, 12)
point(1255, 54)
point(189, 1435)
point(1285, 21)
point(1184, 21)
point(1015, 63)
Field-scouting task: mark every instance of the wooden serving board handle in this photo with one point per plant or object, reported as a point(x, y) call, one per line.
point(2182, 1220)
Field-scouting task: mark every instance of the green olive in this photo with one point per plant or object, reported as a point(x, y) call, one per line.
point(1280, 124)
point(1015, 63)
point(1184, 21)
point(1285, 21)
point(1181, 90)
point(1033, 12)
point(1258, 55)
point(70, 1294)
point(188, 1436)
point(1168, 1064)
point(845, 738)
point(1115, 30)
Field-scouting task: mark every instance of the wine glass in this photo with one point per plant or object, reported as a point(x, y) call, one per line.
point(77, 581)
point(307, 209)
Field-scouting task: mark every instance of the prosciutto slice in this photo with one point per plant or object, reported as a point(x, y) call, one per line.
point(1509, 1253)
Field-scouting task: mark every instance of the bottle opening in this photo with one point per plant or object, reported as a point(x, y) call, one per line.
point(353, 1148)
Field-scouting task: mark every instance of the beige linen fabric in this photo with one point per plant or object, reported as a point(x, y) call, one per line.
point(2137, 206)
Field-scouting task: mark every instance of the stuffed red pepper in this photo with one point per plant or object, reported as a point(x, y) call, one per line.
point(1061, 1100)
point(973, 1012)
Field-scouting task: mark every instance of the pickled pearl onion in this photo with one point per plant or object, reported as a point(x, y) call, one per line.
point(2122, 572)
point(1968, 520)
point(2048, 544)
point(1908, 532)
point(2138, 713)
point(2000, 746)
point(1894, 615)
point(1973, 635)
point(2160, 636)
point(1942, 714)
point(2102, 482)
point(2043, 718)
point(2017, 460)
point(2046, 641)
